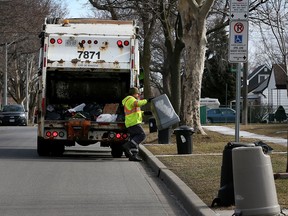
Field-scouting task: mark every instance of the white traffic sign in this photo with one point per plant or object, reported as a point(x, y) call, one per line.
point(239, 9)
point(238, 41)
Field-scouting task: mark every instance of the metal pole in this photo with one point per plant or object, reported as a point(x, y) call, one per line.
point(27, 90)
point(238, 98)
point(5, 76)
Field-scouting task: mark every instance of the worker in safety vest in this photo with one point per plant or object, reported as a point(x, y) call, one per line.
point(133, 120)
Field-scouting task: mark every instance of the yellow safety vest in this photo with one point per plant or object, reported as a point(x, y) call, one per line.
point(132, 110)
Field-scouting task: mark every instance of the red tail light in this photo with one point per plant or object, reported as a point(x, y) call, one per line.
point(55, 134)
point(126, 43)
point(118, 135)
point(124, 136)
point(120, 43)
point(59, 41)
point(52, 41)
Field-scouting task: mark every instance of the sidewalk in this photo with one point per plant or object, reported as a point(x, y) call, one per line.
point(191, 202)
point(231, 131)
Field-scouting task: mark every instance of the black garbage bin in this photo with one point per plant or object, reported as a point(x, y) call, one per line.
point(226, 192)
point(152, 125)
point(164, 136)
point(184, 139)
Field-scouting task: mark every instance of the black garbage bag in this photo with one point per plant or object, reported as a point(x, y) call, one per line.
point(265, 147)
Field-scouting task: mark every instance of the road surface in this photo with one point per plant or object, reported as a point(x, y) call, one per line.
point(85, 181)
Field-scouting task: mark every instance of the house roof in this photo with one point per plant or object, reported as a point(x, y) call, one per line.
point(280, 76)
point(255, 71)
point(252, 77)
point(261, 87)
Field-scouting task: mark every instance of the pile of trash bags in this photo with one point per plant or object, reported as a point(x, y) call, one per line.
point(89, 111)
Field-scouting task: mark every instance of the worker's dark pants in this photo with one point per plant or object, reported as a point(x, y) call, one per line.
point(137, 135)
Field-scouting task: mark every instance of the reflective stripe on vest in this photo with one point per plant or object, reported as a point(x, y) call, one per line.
point(133, 110)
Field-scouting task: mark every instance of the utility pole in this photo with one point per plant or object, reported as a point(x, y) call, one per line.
point(5, 76)
point(4, 102)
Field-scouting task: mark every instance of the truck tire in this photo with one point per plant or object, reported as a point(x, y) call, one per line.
point(43, 147)
point(116, 151)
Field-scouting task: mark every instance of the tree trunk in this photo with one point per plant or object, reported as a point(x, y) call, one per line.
point(194, 27)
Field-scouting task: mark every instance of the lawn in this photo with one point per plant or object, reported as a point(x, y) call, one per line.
point(201, 171)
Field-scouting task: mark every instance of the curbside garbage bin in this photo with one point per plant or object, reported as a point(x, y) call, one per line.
point(164, 136)
point(152, 125)
point(184, 139)
point(226, 192)
point(255, 191)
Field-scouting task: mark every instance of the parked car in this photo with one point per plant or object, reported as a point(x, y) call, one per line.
point(221, 115)
point(13, 115)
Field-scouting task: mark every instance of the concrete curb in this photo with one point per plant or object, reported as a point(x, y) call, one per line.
point(191, 202)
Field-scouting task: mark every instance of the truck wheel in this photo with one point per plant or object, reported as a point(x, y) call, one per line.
point(43, 147)
point(116, 151)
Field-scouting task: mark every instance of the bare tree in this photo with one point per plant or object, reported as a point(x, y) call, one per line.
point(194, 14)
point(136, 9)
point(20, 24)
point(274, 17)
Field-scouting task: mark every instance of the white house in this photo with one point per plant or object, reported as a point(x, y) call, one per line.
point(271, 91)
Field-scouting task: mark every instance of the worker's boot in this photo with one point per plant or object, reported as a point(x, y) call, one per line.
point(127, 146)
point(135, 157)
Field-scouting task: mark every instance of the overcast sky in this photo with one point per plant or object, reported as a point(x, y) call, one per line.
point(78, 8)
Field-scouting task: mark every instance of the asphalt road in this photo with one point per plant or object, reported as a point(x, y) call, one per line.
point(85, 181)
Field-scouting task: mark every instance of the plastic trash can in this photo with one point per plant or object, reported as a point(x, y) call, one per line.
point(226, 192)
point(164, 136)
point(184, 139)
point(152, 125)
point(255, 191)
point(163, 112)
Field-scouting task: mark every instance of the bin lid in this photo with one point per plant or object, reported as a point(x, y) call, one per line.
point(184, 127)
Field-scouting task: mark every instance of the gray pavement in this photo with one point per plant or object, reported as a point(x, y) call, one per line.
point(191, 202)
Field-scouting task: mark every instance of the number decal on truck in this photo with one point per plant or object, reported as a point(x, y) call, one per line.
point(89, 54)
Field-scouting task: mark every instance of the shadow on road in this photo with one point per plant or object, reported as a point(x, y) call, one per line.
point(69, 154)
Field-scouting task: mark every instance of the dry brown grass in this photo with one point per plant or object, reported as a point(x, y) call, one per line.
point(201, 171)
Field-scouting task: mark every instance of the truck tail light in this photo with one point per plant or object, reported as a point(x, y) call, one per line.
point(48, 134)
point(53, 41)
point(124, 136)
point(55, 134)
point(118, 136)
point(59, 41)
point(126, 43)
point(120, 43)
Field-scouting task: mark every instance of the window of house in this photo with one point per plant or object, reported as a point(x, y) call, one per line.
point(261, 78)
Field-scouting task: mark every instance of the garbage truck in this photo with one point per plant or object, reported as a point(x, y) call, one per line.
point(86, 68)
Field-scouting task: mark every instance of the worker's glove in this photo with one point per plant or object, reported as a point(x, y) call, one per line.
point(149, 100)
point(147, 113)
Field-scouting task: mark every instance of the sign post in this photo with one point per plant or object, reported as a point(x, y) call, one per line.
point(238, 47)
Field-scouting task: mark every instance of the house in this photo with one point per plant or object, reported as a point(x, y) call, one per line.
point(268, 87)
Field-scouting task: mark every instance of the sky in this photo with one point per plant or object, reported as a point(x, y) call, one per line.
point(78, 8)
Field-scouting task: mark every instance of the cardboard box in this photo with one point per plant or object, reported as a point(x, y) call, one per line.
point(110, 108)
point(163, 112)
